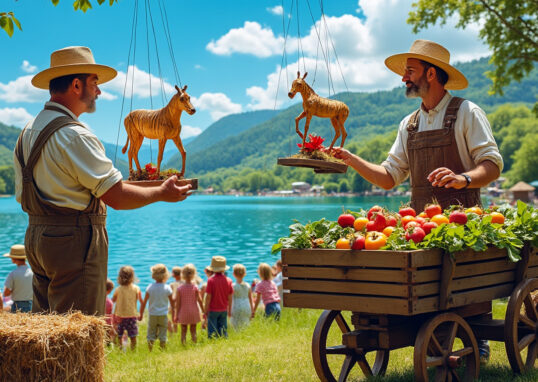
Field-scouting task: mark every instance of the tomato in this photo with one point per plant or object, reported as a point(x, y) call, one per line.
point(420, 220)
point(371, 226)
point(458, 217)
point(415, 233)
point(380, 221)
point(497, 217)
point(375, 240)
point(432, 210)
point(407, 211)
point(358, 243)
point(440, 219)
point(392, 221)
point(412, 223)
point(372, 210)
point(343, 243)
point(360, 223)
point(388, 230)
point(428, 226)
point(474, 210)
point(346, 220)
point(423, 215)
point(406, 219)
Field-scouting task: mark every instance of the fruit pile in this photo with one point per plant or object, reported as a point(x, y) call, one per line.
point(453, 229)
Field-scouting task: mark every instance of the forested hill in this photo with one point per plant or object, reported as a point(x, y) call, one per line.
point(371, 114)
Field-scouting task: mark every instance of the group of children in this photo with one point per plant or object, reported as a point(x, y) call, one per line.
point(189, 301)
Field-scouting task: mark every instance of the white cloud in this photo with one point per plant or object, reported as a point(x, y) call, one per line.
point(107, 96)
point(362, 44)
point(140, 87)
point(249, 39)
point(26, 67)
point(199, 67)
point(218, 105)
point(15, 116)
point(276, 10)
point(22, 90)
point(189, 131)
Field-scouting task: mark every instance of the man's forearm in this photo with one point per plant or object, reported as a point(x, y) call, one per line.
point(483, 174)
point(373, 173)
point(123, 196)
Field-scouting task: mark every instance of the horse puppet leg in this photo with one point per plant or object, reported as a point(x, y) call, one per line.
point(306, 126)
point(337, 128)
point(162, 144)
point(299, 117)
point(179, 144)
point(136, 143)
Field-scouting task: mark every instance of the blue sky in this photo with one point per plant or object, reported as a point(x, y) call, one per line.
point(228, 53)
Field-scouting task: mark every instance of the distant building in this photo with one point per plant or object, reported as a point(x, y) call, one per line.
point(300, 187)
point(522, 191)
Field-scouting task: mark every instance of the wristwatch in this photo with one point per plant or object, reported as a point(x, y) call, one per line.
point(467, 178)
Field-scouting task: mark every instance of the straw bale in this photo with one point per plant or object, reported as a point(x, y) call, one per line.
point(51, 347)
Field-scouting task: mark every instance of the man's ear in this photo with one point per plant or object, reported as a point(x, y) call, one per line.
point(77, 85)
point(431, 73)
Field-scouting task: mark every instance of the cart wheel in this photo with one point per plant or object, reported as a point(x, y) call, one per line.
point(435, 347)
point(521, 326)
point(320, 350)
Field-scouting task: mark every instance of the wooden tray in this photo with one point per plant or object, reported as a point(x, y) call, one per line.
point(397, 282)
point(319, 166)
point(155, 183)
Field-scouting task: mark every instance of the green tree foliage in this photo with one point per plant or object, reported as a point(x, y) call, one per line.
point(8, 20)
point(525, 166)
point(7, 175)
point(509, 28)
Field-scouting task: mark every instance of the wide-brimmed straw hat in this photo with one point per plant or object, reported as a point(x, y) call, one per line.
point(17, 252)
point(72, 60)
point(218, 264)
point(433, 53)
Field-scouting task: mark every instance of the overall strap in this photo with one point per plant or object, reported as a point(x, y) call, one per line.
point(451, 113)
point(412, 124)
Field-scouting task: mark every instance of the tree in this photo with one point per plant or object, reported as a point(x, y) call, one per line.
point(8, 22)
point(509, 27)
point(525, 165)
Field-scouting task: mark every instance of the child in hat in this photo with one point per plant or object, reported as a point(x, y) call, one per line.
point(268, 292)
point(218, 303)
point(126, 296)
point(159, 295)
point(18, 283)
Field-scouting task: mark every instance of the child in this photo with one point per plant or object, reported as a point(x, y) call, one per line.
point(158, 294)
point(188, 303)
point(278, 280)
point(176, 274)
point(267, 290)
point(218, 298)
point(242, 305)
point(109, 306)
point(125, 296)
point(208, 274)
point(18, 283)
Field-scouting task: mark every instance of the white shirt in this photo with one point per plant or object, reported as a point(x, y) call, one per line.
point(72, 165)
point(19, 282)
point(472, 131)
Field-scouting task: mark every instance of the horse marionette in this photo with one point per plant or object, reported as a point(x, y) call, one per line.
point(313, 104)
point(162, 124)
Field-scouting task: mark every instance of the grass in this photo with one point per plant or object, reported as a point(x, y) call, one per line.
point(268, 351)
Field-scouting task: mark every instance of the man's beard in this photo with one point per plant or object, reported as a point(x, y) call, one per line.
point(89, 100)
point(418, 89)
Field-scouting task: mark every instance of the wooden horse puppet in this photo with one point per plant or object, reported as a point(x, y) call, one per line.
point(162, 124)
point(313, 104)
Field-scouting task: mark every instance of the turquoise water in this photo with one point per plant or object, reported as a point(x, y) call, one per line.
point(241, 228)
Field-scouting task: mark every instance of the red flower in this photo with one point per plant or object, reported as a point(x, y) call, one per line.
point(150, 168)
point(314, 144)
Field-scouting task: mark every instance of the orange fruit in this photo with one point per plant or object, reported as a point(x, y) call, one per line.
point(406, 219)
point(375, 240)
point(475, 210)
point(439, 219)
point(423, 215)
point(497, 217)
point(360, 223)
point(343, 243)
point(388, 230)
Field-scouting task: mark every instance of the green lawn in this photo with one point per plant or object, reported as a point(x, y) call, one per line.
point(266, 351)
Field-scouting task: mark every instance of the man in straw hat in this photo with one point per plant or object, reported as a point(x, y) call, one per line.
point(64, 182)
point(446, 147)
point(18, 283)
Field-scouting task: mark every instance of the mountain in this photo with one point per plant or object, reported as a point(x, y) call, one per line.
point(371, 114)
point(225, 127)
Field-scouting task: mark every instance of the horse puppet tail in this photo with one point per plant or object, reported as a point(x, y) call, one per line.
point(127, 124)
point(124, 149)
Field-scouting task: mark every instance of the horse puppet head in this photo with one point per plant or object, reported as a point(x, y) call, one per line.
point(181, 100)
point(298, 85)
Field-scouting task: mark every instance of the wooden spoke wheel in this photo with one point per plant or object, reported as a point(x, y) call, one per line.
point(324, 355)
point(521, 326)
point(436, 348)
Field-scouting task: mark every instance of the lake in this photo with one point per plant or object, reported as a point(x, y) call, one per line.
point(242, 229)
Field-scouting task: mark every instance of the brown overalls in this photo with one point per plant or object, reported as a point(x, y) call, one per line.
point(67, 249)
point(428, 150)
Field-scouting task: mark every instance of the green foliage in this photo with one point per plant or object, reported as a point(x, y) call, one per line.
point(7, 176)
point(508, 27)
point(525, 165)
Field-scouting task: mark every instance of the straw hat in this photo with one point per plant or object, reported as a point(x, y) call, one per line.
point(72, 60)
point(433, 53)
point(218, 264)
point(16, 252)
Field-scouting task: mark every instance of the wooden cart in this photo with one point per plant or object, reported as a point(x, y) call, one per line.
point(425, 298)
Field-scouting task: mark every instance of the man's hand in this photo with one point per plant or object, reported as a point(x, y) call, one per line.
point(343, 154)
point(444, 177)
point(172, 192)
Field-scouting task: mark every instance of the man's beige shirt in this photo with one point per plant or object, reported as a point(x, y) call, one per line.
point(473, 136)
point(72, 165)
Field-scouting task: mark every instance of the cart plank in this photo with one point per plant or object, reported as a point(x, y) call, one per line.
point(363, 288)
point(344, 273)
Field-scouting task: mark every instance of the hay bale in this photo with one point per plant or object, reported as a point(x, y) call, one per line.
point(39, 347)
